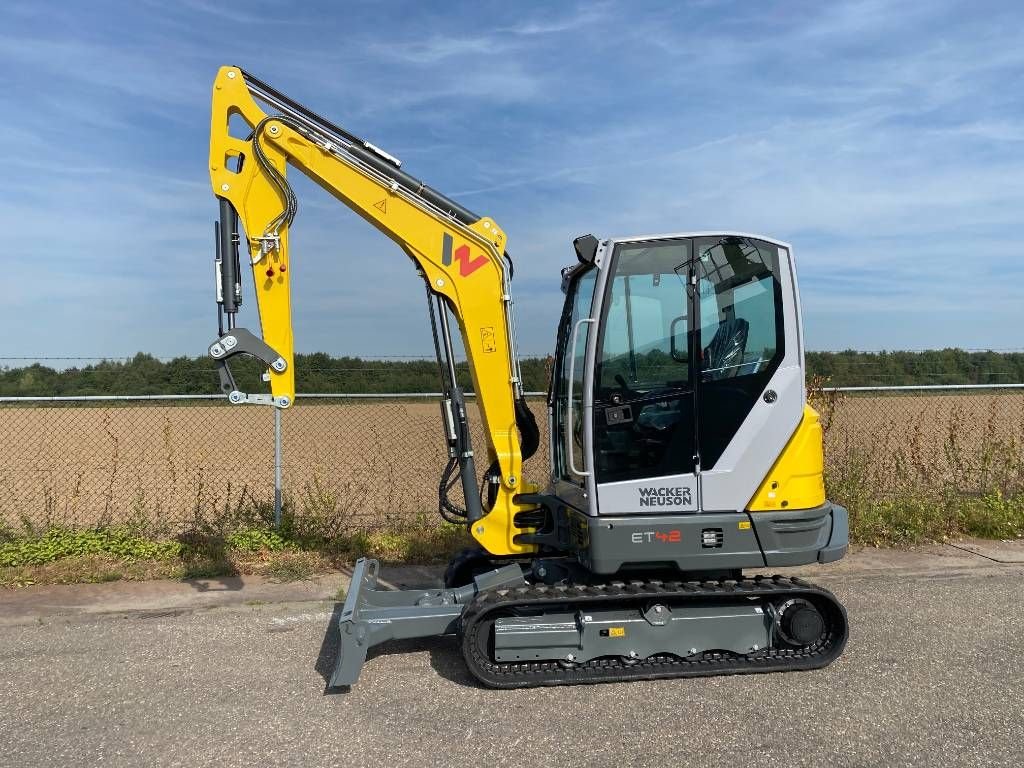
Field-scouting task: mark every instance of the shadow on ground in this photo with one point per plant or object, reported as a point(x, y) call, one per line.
point(216, 583)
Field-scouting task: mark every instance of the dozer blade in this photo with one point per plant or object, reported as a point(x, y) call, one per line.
point(371, 616)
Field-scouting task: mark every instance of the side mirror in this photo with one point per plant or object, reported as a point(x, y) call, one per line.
point(680, 352)
point(586, 248)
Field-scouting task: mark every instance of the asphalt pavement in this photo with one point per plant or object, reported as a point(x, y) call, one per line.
point(231, 672)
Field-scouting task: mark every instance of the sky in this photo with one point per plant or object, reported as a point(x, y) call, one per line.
point(884, 140)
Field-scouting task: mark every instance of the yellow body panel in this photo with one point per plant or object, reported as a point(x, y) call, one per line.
point(473, 283)
point(797, 479)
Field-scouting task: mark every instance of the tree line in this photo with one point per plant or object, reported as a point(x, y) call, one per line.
point(144, 374)
point(940, 366)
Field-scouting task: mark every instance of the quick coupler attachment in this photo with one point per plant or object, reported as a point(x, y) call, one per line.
point(240, 341)
point(371, 616)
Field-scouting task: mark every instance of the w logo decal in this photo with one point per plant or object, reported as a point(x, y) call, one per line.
point(467, 266)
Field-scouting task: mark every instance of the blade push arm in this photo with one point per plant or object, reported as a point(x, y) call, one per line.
point(459, 254)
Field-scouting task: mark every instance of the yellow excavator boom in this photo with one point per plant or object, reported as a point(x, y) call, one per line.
point(460, 257)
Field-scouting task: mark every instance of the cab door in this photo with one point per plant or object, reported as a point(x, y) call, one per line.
point(750, 387)
point(645, 428)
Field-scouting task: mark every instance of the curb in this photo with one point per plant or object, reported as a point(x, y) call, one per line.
point(32, 605)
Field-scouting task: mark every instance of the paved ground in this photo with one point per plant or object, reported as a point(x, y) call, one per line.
point(231, 673)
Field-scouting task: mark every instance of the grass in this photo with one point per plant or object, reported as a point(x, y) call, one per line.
point(59, 543)
point(68, 556)
point(909, 521)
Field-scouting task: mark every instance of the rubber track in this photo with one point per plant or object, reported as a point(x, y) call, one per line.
point(618, 595)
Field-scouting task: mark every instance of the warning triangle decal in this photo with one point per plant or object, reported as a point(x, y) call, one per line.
point(382, 206)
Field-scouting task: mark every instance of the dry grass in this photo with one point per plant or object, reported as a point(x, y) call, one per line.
point(362, 465)
point(914, 468)
point(89, 569)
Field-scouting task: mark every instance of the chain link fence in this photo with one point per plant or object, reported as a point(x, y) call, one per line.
point(922, 442)
point(167, 465)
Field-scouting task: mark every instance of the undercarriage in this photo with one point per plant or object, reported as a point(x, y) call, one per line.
point(518, 634)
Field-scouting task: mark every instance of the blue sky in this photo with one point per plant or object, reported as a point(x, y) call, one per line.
point(884, 140)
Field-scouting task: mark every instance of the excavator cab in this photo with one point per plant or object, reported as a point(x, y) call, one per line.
point(680, 432)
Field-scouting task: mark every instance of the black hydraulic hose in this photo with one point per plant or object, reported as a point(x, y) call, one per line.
point(357, 147)
point(529, 432)
point(291, 202)
point(433, 333)
point(448, 510)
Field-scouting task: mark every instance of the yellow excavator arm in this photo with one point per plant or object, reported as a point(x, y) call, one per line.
point(460, 256)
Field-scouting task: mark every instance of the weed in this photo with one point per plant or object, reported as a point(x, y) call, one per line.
point(291, 566)
point(255, 539)
point(993, 517)
point(58, 543)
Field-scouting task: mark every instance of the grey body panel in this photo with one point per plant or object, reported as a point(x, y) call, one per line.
point(748, 540)
point(839, 541)
point(788, 537)
point(756, 446)
point(615, 543)
point(785, 539)
point(683, 631)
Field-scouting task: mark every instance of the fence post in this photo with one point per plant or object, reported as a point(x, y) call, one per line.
point(277, 467)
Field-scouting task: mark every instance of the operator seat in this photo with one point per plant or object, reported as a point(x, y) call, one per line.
point(727, 348)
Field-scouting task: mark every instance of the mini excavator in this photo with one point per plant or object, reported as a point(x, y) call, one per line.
point(682, 448)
